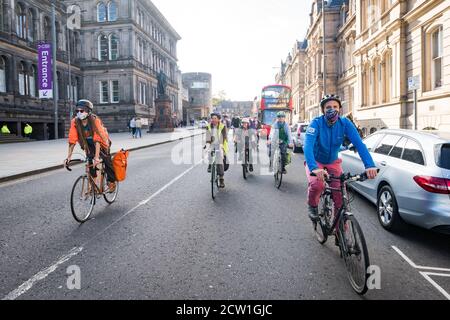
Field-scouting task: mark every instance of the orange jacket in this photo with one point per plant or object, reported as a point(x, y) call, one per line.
point(100, 135)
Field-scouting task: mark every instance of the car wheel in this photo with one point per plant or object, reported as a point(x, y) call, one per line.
point(387, 209)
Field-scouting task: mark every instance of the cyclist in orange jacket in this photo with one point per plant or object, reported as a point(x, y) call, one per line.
point(88, 130)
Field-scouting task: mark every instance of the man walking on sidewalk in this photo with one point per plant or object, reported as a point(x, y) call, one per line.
point(138, 127)
point(133, 127)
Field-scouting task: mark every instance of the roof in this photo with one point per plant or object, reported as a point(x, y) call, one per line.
point(431, 137)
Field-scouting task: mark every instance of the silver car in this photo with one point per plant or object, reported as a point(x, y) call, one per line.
point(414, 180)
point(298, 135)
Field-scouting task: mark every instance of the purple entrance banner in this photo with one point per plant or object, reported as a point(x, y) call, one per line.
point(45, 71)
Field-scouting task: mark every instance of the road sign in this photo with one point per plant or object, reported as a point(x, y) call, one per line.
point(414, 83)
point(45, 77)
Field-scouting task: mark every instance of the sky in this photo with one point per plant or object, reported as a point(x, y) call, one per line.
point(240, 42)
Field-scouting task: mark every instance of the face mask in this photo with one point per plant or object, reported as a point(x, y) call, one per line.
point(82, 115)
point(332, 115)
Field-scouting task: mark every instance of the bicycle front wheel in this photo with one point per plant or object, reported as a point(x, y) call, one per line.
point(82, 199)
point(355, 253)
point(277, 170)
point(213, 181)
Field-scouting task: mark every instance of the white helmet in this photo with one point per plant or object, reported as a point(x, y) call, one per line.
point(245, 120)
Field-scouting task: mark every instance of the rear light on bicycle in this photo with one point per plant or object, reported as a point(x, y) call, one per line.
point(433, 184)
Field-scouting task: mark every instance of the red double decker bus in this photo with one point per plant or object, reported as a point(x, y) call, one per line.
point(274, 98)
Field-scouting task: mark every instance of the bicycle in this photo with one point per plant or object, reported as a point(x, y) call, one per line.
point(214, 177)
point(86, 190)
point(277, 166)
point(348, 234)
point(245, 165)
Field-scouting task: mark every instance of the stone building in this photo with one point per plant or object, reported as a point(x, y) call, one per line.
point(293, 75)
point(125, 45)
point(372, 48)
point(23, 24)
point(200, 95)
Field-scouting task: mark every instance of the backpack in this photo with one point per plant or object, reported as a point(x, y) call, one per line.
point(120, 162)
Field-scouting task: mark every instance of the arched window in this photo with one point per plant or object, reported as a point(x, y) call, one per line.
point(388, 76)
point(20, 21)
point(112, 11)
point(22, 78)
point(113, 47)
point(47, 29)
point(103, 47)
point(31, 25)
point(2, 74)
point(101, 12)
point(32, 81)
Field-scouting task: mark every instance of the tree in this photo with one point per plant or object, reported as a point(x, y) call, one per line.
point(219, 97)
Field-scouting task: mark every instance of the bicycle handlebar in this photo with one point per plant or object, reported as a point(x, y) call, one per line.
point(347, 177)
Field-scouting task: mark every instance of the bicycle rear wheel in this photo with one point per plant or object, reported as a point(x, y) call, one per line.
point(356, 255)
point(82, 199)
point(110, 197)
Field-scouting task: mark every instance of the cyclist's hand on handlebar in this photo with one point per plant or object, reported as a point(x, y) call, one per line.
point(321, 174)
point(97, 161)
point(372, 173)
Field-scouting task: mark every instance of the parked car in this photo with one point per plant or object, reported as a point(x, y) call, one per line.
point(414, 180)
point(298, 135)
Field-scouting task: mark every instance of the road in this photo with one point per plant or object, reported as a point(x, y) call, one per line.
point(165, 238)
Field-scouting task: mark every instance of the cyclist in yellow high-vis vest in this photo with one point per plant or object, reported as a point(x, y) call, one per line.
point(217, 137)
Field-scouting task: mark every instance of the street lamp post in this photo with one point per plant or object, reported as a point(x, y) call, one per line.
point(324, 71)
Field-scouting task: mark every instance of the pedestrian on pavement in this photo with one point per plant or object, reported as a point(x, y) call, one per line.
point(323, 139)
point(28, 130)
point(133, 127)
point(138, 127)
point(88, 131)
point(5, 129)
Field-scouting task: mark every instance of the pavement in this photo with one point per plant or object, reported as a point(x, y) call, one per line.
point(20, 160)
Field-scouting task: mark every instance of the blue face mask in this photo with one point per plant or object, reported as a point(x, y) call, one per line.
point(332, 115)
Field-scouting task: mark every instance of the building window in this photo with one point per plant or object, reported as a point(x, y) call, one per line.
point(113, 47)
point(22, 79)
point(47, 29)
point(2, 74)
point(115, 91)
point(20, 21)
point(101, 12)
point(142, 93)
point(437, 54)
point(103, 48)
point(32, 81)
point(380, 84)
point(104, 92)
point(388, 75)
point(112, 11)
point(31, 26)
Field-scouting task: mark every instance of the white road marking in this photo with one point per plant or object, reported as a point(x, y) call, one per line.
point(41, 275)
point(27, 285)
point(427, 275)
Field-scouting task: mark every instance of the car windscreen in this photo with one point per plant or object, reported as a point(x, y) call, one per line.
point(443, 156)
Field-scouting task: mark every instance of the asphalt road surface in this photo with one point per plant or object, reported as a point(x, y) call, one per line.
point(165, 238)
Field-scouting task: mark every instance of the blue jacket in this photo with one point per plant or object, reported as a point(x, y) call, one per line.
point(323, 143)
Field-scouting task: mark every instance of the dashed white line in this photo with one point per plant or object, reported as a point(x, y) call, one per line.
point(27, 285)
point(41, 275)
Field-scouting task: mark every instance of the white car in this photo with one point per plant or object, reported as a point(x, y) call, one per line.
point(202, 124)
point(298, 131)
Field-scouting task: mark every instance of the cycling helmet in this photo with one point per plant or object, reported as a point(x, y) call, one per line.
point(86, 104)
point(281, 114)
point(330, 97)
point(216, 114)
point(245, 120)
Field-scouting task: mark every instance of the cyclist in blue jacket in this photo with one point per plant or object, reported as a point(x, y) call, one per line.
point(323, 140)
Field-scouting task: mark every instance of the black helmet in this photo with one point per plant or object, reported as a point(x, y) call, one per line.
point(330, 97)
point(86, 104)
